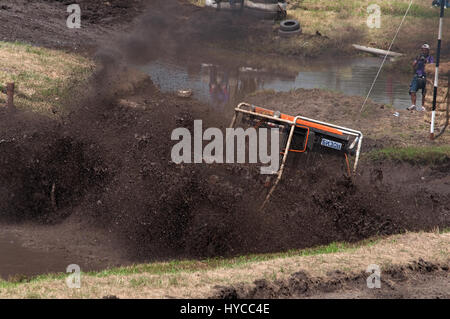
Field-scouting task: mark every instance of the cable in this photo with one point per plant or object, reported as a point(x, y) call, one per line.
point(385, 57)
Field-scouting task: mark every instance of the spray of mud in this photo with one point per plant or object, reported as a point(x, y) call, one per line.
point(110, 164)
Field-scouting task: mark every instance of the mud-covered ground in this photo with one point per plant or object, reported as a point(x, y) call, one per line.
point(420, 279)
point(44, 22)
point(106, 168)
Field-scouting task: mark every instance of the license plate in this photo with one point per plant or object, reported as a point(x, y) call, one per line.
point(331, 144)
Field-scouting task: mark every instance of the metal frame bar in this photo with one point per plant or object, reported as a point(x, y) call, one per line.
point(359, 136)
point(283, 163)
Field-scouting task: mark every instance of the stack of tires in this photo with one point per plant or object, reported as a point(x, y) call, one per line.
point(289, 28)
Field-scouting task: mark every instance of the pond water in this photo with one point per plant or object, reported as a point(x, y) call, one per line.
point(216, 84)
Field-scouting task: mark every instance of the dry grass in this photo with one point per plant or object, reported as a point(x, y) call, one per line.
point(42, 76)
point(343, 19)
point(393, 250)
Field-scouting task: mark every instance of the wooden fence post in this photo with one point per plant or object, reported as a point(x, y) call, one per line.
point(10, 96)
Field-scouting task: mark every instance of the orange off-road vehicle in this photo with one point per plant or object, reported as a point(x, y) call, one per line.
point(303, 135)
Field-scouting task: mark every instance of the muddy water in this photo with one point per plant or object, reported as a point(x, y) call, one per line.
point(17, 260)
point(224, 86)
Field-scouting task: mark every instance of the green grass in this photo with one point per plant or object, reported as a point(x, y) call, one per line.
point(414, 154)
point(178, 266)
point(43, 77)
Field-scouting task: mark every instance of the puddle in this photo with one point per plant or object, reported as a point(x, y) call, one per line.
point(221, 86)
point(16, 259)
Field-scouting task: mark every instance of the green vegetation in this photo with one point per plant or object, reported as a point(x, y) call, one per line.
point(431, 155)
point(43, 77)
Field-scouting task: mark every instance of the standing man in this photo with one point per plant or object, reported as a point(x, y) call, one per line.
point(419, 80)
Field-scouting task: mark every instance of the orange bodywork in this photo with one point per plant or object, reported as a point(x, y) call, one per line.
point(299, 121)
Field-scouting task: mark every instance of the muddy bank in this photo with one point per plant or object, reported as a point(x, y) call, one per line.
point(43, 23)
point(419, 279)
point(143, 25)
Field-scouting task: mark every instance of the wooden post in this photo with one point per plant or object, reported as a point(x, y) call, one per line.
point(10, 95)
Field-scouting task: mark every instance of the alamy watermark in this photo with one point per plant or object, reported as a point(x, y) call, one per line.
point(374, 18)
point(230, 148)
point(374, 280)
point(74, 19)
point(73, 281)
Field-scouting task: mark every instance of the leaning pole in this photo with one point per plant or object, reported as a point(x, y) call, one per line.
point(436, 73)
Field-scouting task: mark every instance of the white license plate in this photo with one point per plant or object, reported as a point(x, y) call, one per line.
point(331, 144)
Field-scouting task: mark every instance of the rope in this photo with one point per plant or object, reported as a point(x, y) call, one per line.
point(385, 57)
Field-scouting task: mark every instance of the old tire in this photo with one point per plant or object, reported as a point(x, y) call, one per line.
point(289, 25)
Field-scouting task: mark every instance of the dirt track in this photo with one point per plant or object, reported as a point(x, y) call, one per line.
point(107, 166)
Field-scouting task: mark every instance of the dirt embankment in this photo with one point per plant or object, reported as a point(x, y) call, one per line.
point(419, 279)
point(43, 23)
point(176, 24)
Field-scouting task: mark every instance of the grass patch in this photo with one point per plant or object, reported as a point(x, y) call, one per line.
point(43, 77)
point(413, 154)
